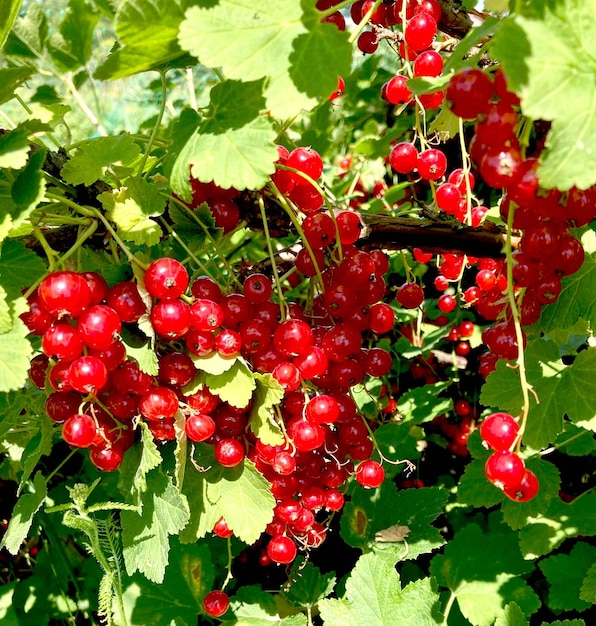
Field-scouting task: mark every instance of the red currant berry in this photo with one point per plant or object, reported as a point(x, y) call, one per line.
point(370, 474)
point(166, 279)
point(64, 294)
point(505, 469)
point(281, 549)
point(216, 603)
point(229, 452)
point(199, 427)
point(499, 431)
point(79, 430)
point(525, 490)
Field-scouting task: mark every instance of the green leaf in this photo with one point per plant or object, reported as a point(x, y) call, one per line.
point(192, 226)
point(423, 404)
point(9, 9)
point(251, 606)
point(268, 393)
point(474, 489)
point(241, 495)
point(512, 616)
point(562, 390)
point(29, 33)
point(39, 445)
point(518, 514)
point(575, 441)
point(235, 386)
point(14, 148)
point(19, 267)
point(71, 48)
point(138, 462)
point(588, 588)
point(189, 576)
point(15, 357)
point(11, 78)
point(371, 512)
point(93, 158)
point(180, 132)
point(214, 363)
point(562, 520)
point(396, 444)
point(145, 537)
point(29, 186)
point(308, 585)
point(541, 50)
point(147, 32)
point(374, 597)
point(483, 571)
point(565, 573)
point(131, 208)
point(234, 146)
point(22, 516)
point(8, 615)
point(246, 502)
point(282, 41)
point(145, 357)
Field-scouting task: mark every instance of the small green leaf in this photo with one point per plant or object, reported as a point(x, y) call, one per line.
point(268, 393)
point(246, 502)
point(131, 208)
point(71, 48)
point(512, 616)
point(588, 588)
point(565, 574)
point(22, 516)
point(29, 186)
point(308, 585)
point(483, 571)
point(147, 31)
point(214, 363)
point(93, 158)
point(235, 386)
point(9, 9)
point(15, 357)
point(145, 536)
point(14, 148)
point(138, 462)
point(145, 357)
point(474, 488)
point(19, 267)
point(234, 146)
point(39, 445)
point(12, 77)
point(374, 597)
point(423, 404)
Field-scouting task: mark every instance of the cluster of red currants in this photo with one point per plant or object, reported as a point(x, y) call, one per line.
point(504, 468)
point(97, 393)
point(546, 251)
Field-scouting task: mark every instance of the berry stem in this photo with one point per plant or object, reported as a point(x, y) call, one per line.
point(229, 575)
point(364, 21)
point(465, 164)
point(336, 8)
point(282, 301)
point(160, 114)
point(521, 363)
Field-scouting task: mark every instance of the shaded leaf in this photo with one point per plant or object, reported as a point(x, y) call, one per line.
point(268, 393)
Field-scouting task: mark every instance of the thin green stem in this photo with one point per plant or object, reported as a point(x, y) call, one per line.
point(186, 249)
point(190, 83)
point(229, 565)
point(60, 466)
point(280, 295)
point(156, 126)
point(465, 160)
point(51, 255)
point(448, 608)
point(521, 363)
point(364, 21)
point(218, 253)
point(337, 7)
point(283, 201)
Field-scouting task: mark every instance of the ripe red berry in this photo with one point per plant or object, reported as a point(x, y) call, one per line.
point(403, 157)
point(229, 452)
point(505, 469)
point(199, 427)
point(99, 326)
point(499, 431)
point(282, 549)
point(87, 374)
point(79, 430)
point(64, 294)
point(469, 93)
point(526, 489)
point(370, 474)
point(431, 164)
point(420, 31)
point(216, 603)
point(410, 295)
point(166, 279)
